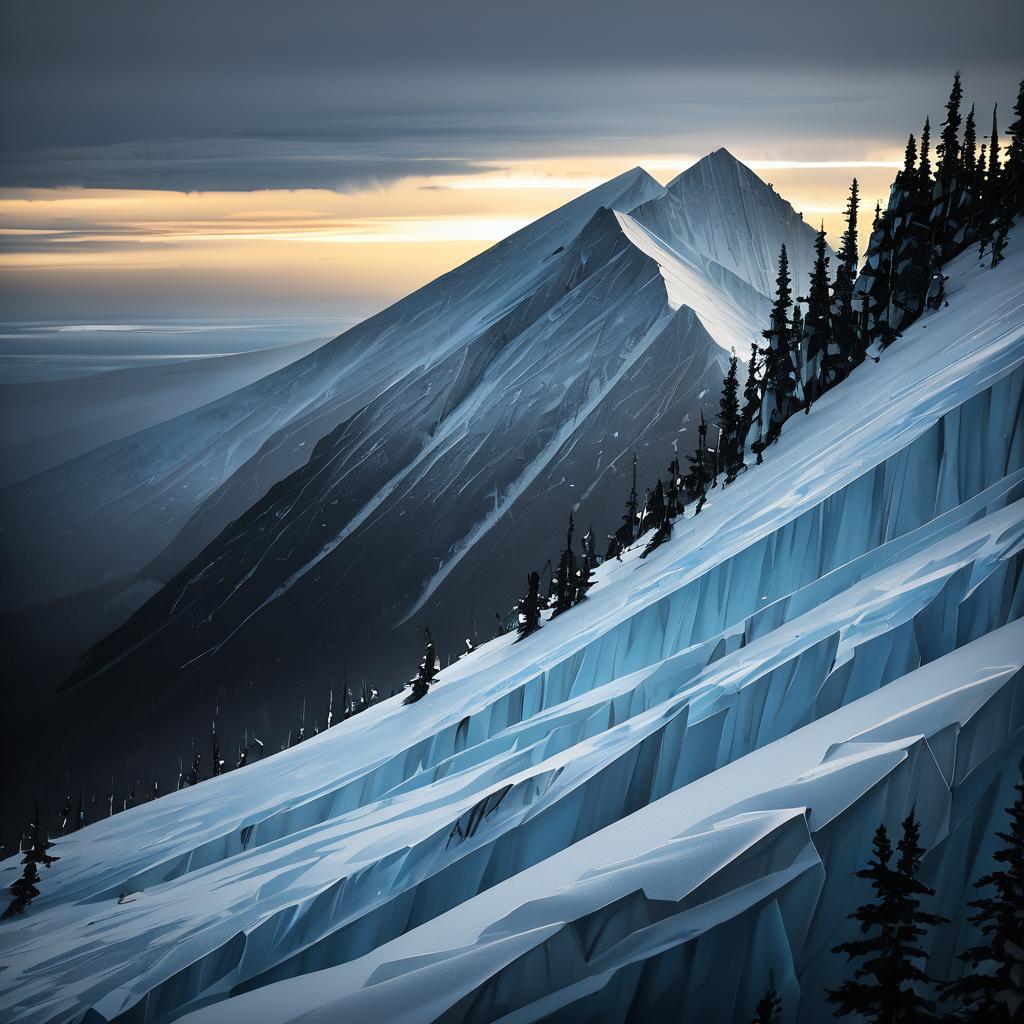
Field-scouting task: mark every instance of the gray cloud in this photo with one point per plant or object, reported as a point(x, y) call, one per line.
point(316, 93)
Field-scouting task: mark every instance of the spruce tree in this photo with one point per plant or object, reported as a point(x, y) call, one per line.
point(992, 175)
point(588, 565)
point(970, 152)
point(820, 374)
point(23, 890)
point(38, 843)
point(753, 397)
point(730, 444)
point(769, 1009)
point(698, 476)
point(216, 762)
point(659, 519)
point(843, 352)
point(193, 775)
point(567, 579)
point(1013, 172)
point(924, 171)
point(427, 672)
point(529, 608)
point(948, 149)
point(780, 372)
point(885, 987)
point(627, 532)
point(993, 993)
point(673, 504)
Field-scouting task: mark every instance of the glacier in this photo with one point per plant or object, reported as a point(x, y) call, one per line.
point(651, 807)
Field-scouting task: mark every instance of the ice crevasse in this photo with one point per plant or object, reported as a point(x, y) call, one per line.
point(650, 809)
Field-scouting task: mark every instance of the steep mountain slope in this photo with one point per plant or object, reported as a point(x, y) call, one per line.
point(107, 514)
point(435, 448)
point(683, 770)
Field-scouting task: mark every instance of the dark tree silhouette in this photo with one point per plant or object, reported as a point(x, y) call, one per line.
point(993, 993)
point(587, 566)
point(779, 370)
point(753, 397)
point(885, 987)
point(529, 608)
point(769, 1009)
point(627, 532)
point(843, 351)
point(730, 443)
point(817, 328)
point(566, 582)
point(38, 843)
point(659, 518)
point(428, 670)
point(23, 890)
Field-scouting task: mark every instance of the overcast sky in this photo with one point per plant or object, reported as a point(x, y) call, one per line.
point(350, 97)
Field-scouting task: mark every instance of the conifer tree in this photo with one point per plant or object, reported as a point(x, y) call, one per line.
point(699, 474)
point(529, 608)
point(216, 762)
point(970, 152)
point(673, 504)
point(819, 375)
point(993, 993)
point(992, 183)
point(842, 352)
point(627, 532)
point(769, 1009)
point(753, 397)
point(924, 170)
point(659, 519)
point(780, 373)
point(885, 987)
point(39, 843)
point(589, 564)
point(730, 444)
point(1013, 172)
point(427, 672)
point(948, 149)
point(23, 890)
point(567, 580)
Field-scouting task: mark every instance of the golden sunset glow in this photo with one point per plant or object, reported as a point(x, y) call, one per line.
point(341, 251)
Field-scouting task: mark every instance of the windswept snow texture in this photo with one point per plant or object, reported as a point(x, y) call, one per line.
point(652, 808)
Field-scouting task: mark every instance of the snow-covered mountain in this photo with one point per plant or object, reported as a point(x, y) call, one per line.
point(681, 773)
point(408, 472)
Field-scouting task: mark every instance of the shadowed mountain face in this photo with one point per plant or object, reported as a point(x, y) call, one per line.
point(414, 469)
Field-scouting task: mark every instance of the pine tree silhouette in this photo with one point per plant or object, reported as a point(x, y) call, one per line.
point(23, 890)
point(843, 351)
point(660, 519)
point(428, 670)
point(566, 582)
point(753, 397)
point(780, 371)
point(39, 843)
point(818, 375)
point(1013, 172)
point(885, 988)
point(529, 608)
point(769, 1009)
point(587, 566)
point(730, 444)
point(993, 993)
point(627, 532)
point(216, 763)
point(969, 152)
point(673, 503)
